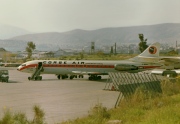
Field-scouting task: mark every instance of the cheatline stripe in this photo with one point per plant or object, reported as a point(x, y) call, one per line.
point(79, 66)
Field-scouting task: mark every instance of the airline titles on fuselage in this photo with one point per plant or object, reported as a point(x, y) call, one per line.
point(66, 62)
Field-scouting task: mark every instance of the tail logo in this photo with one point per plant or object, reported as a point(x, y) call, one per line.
point(152, 50)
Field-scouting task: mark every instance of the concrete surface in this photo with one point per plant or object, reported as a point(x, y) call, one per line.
point(60, 99)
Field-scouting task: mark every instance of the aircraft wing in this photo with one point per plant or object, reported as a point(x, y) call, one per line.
point(157, 71)
point(170, 62)
point(85, 73)
point(164, 72)
point(166, 59)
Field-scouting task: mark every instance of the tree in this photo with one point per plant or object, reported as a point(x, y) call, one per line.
point(143, 44)
point(111, 52)
point(81, 55)
point(29, 49)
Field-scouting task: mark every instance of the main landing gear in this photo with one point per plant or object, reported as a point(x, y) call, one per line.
point(62, 76)
point(94, 77)
point(70, 77)
point(91, 77)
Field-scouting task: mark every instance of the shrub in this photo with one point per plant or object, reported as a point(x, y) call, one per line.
point(13, 118)
point(169, 88)
point(20, 118)
point(99, 111)
point(38, 115)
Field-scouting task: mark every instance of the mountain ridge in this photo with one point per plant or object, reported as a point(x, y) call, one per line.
point(164, 33)
point(8, 31)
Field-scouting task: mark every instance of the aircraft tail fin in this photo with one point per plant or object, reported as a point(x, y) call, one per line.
point(151, 51)
point(149, 54)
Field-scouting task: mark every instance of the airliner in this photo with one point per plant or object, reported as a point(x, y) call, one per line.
point(95, 69)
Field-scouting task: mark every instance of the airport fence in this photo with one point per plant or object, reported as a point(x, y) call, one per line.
point(127, 83)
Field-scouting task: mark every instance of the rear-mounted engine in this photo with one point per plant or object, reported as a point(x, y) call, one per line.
point(125, 67)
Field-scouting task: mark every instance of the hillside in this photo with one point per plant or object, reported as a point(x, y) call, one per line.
point(7, 31)
point(163, 33)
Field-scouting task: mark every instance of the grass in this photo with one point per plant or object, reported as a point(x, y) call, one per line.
point(21, 118)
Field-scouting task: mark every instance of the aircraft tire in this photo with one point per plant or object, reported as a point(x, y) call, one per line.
point(63, 76)
point(95, 78)
point(99, 77)
point(59, 76)
point(90, 78)
point(81, 76)
point(71, 77)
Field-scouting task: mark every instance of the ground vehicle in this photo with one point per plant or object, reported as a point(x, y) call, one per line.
point(4, 75)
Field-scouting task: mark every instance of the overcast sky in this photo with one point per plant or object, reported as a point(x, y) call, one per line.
point(65, 15)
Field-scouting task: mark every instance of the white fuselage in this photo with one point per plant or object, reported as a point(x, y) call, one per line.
point(79, 66)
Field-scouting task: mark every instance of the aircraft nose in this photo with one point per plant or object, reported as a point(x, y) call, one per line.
point(18, 68)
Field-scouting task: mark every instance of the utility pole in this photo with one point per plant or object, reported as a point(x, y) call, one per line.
point(115, 49)
point(111, 52)
point(92, 47)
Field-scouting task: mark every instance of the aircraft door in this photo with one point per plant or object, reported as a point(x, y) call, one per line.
point(39, 65)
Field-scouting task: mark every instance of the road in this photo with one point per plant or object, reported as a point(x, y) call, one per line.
point(60, 99)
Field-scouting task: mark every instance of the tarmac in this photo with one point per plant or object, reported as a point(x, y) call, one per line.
point(61, 100)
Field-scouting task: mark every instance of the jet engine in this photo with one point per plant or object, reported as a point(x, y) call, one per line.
point(125, 67)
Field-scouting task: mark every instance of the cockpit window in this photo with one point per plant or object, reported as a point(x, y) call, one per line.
point(23, 65)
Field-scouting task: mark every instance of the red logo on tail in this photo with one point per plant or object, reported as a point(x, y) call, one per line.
point(152, 50)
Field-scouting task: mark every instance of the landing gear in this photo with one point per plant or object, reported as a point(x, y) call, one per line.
point(81, 76)
point(95, 77)
point(59, 76)
point(75, 76)
point(62, 76)
point(71, 77)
